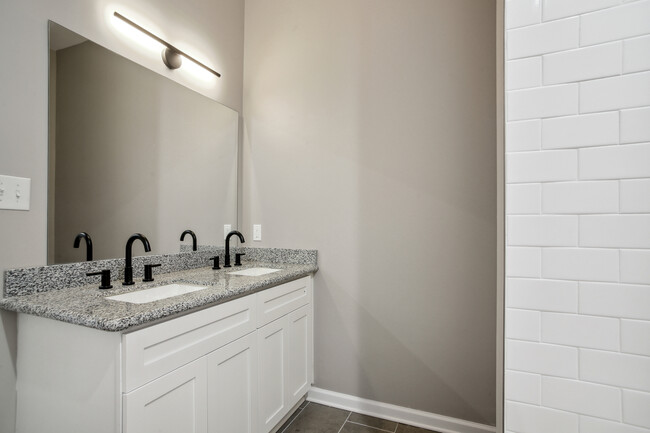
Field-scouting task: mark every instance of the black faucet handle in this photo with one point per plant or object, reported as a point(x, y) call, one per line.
point(106, 278)
point(238, 258)
point(148, 272)
point(215, 262)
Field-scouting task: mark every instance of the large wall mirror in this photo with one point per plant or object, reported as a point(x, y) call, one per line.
point(132, 151)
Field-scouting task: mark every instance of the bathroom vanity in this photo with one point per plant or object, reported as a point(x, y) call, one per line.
point(240, 364)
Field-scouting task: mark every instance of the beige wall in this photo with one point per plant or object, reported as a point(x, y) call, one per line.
point(370, 134)
point(213, 29)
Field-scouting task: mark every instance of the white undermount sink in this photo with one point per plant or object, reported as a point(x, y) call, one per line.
point(254, 272)
point(157, 293)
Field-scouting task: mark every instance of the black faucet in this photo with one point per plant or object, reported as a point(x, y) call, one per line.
point(128, 268)
point(89, 244)
point(226, 260)
point(191, 233)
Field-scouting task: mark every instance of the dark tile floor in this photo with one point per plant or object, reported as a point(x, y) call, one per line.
point(317, 418)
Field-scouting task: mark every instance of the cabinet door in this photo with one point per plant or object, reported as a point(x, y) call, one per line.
point(156, 350)
point(299, 354)
point(272, 372)
point(232, 387)
point(173, 403)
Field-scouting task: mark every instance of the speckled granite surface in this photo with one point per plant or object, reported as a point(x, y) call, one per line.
point(280, 255)
point(63, 292)
point(87, 306)
point(24, 281)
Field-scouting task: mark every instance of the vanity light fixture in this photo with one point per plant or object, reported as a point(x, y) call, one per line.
point(171, 56)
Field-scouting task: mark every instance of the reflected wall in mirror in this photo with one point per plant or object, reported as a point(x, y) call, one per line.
point(132, 151)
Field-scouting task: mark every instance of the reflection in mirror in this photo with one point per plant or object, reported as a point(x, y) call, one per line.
point(131, 151)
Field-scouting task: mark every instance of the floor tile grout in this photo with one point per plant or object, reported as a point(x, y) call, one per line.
point(346, 420)
point(309, 418)
point(294, 418)
point(372, 427)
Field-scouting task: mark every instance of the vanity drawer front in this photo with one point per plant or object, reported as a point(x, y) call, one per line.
point(152, 352)
point(275, 302)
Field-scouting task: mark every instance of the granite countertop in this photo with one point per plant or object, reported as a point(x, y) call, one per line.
point(87, 305)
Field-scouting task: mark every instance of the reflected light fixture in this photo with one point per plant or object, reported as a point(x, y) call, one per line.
point(171, 56)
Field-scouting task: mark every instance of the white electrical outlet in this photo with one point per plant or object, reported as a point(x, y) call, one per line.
point(257, 232)
point(15, 192)
point(227, 228)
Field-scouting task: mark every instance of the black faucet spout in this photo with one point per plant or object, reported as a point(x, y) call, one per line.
point(89, 244)
point(226, 259)
point(128, 257)
point(191, 233)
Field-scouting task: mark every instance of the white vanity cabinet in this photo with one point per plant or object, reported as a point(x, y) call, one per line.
point(237, 367)
point(233, 368)
point(176, 402)
point(285, 350)
point(173, 372)
point(284, 370)
point(215, 394)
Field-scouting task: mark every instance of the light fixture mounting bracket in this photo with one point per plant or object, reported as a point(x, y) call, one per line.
point(172, 59)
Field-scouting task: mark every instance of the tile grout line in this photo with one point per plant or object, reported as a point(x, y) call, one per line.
point(346, 420)
point(294, 418)
point(374, 428)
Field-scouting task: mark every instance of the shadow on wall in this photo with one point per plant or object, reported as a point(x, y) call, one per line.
point(386, 352)
point(425, 297)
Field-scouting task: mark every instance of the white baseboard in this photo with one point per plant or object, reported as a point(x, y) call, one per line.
point(404, 415)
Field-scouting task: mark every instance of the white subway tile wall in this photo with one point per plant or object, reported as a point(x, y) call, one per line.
point(548, 166)
point(524, 135)
point(525, 73)
point(582, 397)
point(581, 64)
point(551, 101)
point(577, 216)
point(527, 199)
point(581, 131)
point(635, 338)
point(524, 262)
point(635, 123)
point(636, 408)
point(536, 419)
point(580, 197)
point(524, 387)
point(543, 38)
point(635, 54)
point(595, 264)
point(635, 266)
point(597, 425)
point(523, 325)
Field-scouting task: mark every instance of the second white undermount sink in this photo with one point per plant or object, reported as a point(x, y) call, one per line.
point(157, 293)
point(254, 272)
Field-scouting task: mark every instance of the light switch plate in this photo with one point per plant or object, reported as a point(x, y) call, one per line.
point(227, 228)
point(15, 192)
point(257, 232)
